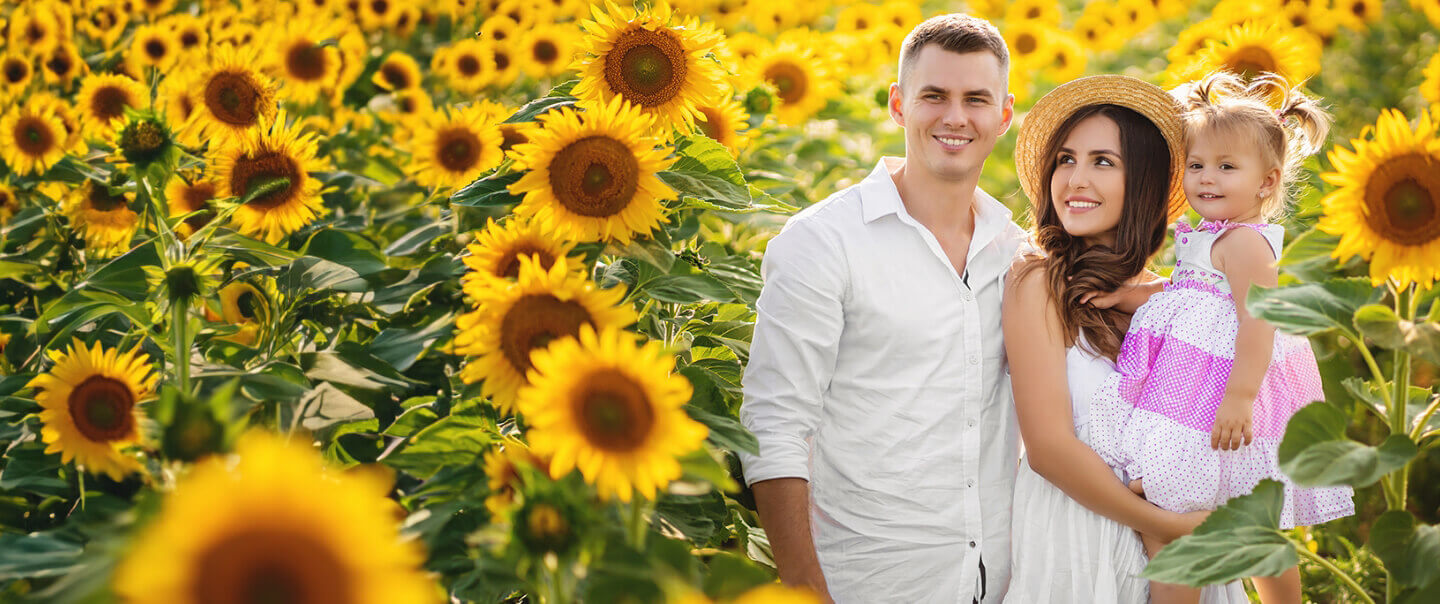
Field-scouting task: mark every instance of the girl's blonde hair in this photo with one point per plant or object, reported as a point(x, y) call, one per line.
point(1224, 104)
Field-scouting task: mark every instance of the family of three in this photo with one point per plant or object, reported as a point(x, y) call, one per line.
point(910, 336)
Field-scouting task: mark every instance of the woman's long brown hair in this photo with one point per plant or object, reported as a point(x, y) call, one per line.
point(1074, 268)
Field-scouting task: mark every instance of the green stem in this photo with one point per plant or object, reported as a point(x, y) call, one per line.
point(1405, 306)
point(1334, 570)
point(180, 330)
point(637, 525)
point(1376, 374)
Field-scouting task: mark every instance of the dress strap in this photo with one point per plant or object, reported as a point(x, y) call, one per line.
point(1219, 226)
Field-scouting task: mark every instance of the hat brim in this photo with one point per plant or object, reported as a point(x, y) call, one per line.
point(1053, 109)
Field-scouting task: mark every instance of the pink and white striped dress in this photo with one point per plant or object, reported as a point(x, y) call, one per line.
point(1153, 417)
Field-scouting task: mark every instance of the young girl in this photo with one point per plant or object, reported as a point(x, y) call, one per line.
point(1203, 392)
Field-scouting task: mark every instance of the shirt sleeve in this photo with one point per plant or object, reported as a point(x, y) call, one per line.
point(792, 354)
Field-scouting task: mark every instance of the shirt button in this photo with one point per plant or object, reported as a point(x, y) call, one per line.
point(967, 296)
point(970, 483)
point(971, 423)
point(974, 359)
point(972, 544)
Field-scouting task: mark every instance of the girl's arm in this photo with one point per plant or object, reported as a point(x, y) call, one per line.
point(1035, 350)
point(1246, 259)
point(1130, 296)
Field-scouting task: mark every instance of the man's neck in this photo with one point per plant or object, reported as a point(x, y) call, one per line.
point(942, 206)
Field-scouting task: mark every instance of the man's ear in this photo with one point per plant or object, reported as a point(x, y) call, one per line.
point(897, 104)
point(1007, 112)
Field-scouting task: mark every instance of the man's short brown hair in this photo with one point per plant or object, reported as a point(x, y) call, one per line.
point(958, 33)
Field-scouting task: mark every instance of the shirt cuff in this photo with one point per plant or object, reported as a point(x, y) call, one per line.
point(781, 456)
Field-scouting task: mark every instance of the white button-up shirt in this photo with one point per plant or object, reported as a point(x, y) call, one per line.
point(877, 373)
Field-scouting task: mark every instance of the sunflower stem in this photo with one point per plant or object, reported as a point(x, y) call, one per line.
point(1339, 574)
point(180, 330)
point(1405, 303)
point(1376, 374)
point(637, 525)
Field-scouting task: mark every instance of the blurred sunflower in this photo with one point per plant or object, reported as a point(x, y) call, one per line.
point(511, 134)
point(499, 29)
point(503, 465)
point(90, 406)
point(154, 8)
point(742, 45)
point(547, 51)
point(903, 14)
point(103, 99)
point(497, 251)
point(1387, 207)
point(452, 148)
point(659, 67)
point(1430, 88)
point(858, 18)
point(73, 142)
point(468, 65)
point(1314, 17)
point(774, 593)
point(234, 95)
point(1133, 16)
point(1096, 30)
point(151, 46)
point(104, 21)
point(260, 158)
point(103, 218)
point(376, 15)
point(1034, 11)
point(1251, 48)
point(1431, 8)
point(244, 305)
point(62, 65)
point(507, 67)
point(1193, 39)
point(612, 409)
point(142, 139)
point(1357, 14)
point(180, 100)
point(191, 199)
point(515, 319)
point(15, 74)
point(725, 121)
point(406, 110)
point(299, 59)
point(273, 524)
point(1068, 57)
point(801, 78)
point(1029, 43)
point(32, 138)
point(398, 71)
point(34, 29)
point(190, 34)
point(9, 203)
point(591, 176)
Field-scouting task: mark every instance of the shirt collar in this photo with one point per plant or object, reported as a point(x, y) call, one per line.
point(879, 197)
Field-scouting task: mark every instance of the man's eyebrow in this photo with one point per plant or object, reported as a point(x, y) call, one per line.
point(933, 88)
point(980, 92)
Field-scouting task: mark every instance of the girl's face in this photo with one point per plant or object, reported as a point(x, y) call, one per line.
point(1087, 188)
point(1226, 181)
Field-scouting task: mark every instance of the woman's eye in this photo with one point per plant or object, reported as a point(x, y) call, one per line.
point(1066, 159)
point(1104, 161)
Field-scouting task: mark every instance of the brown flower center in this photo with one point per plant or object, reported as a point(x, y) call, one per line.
point(789, 81)
point(457, 149)
point(189, 38)
point(33, 136)
point(271, 566)
point(510, 264)
point(545, 52)
point(16, 70)
point(195, 198)
point(533, 322)
point(613, 411)
point(510, 136)
point(305, 61)
point(396, 76)
point(1401, 199)
point(1026, 44)
point(265, 166)
point(502, 60)
point(468, 64)
point(234, 98)
point(646, 67)
point(156, 49)
point(595, 176)
point(109, 102)
point(101, 200)
point(60, 64)
point(1250, 61)
point(102, 409)
point(709, 122)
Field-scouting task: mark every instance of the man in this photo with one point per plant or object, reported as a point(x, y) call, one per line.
point(876, 384)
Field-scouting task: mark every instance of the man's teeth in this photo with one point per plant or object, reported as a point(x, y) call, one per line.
point(1083, 204)
point(953, 141)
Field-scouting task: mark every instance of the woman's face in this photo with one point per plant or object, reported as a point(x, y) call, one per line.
point(1087, 188)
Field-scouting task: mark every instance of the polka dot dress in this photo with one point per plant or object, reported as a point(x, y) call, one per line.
point(1154, 415)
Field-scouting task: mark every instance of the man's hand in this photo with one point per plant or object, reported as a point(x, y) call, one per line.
point(784, 506)
point(1232, 423)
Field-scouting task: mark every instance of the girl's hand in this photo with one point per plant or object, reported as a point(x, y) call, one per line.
point(1232, 423)
point(1128, 297)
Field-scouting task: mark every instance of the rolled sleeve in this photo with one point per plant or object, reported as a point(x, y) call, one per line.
point(800, 317)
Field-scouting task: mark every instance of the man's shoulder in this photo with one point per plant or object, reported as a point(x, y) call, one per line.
point(831, 218)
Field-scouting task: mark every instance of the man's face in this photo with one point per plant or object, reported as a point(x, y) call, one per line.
point(953, 107)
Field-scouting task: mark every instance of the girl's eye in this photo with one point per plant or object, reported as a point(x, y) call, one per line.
point(1194, 166)
point(1227, 166)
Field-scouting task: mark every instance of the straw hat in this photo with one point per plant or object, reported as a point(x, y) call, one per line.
point(1054, 108)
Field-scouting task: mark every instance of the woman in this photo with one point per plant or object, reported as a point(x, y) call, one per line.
point(1101, 159)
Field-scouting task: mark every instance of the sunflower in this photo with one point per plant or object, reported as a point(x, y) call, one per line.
point(592, 176)
point(191, 199)
point(259, 158)
point(181, 101)
point(104, 21)
point(398, 71)
point(499, 29)
point(502, 471)
point(103, 99)
point(299, 59)
point(275, 525)
point(32, 138)
point(799, 75)
point(378, 14)
point(725, 121)
point(860, 18)
point(1034, 11)
point(1067, 57)
point(642, 58)
point(63, 64)
point(1096, 30)
point(517, 318)
point(612, 409)
point(234, 95)
point(507, 65)
point(498, 249)
point(103, 218)
point(143, 139)
point(190, 34)
point(246, 306)
point(903, 14)
point(34, 29)
point(151, 46)
point(451, 149)
point(547, 51)
point(1357, 14)
point(1029, 43)
point(1431, 8)
point(15, 74)
point(1387, 206)
point(155, 8)
point(468, 66)
point(1133, 16)
point(9, 203)
point(1254, 47)
point(1193, 39)
point(1430, 88)
point(90, 406)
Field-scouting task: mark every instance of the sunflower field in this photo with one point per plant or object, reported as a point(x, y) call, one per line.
point(376, 301)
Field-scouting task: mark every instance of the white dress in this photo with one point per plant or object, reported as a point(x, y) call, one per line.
point(1061, 552)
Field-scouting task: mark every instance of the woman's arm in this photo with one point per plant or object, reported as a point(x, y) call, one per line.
point(1035, 349)
point(1246, 259)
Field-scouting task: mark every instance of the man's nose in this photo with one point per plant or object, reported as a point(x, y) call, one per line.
point(955, 116)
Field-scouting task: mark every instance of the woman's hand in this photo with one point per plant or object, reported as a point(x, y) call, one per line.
point(1175, 527)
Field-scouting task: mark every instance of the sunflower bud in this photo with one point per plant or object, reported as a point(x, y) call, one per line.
point(759, 102)
point(546, 526)
point(145, 141)
point(182, 283)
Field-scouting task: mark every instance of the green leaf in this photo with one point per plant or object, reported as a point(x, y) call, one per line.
point(697, 517)
point(311, 273)
point(1382, 325)
point(459, 439)
point(706, 176)
point(28, 467)
point(1423, 340)
point(416, 240)
point(347, 249)
point(1410, 551)
point(1316, 453)
point(1240, 539)
point(731, 575)
point(534, 108)
point(401, 346)
point(685, 289)
point(724, 431)
point(1312, 308)
point(485, 192)
point(36, 555)
point(725, 374)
